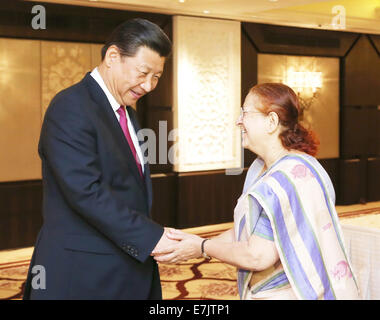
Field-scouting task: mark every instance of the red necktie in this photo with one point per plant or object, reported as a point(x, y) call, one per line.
point(124, 127)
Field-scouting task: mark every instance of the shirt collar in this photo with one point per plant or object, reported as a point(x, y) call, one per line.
point(98, 78)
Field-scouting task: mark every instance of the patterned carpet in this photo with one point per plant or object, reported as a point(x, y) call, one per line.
point(195, 279)
point(200, 279)
point(12, 278)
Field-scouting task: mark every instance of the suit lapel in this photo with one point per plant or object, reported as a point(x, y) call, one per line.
point(136, 126)
point(107, 113)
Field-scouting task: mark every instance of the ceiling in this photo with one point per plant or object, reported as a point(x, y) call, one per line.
point(360, 15)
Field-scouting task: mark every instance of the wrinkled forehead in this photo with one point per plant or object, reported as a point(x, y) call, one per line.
point(252, 102)
point(147, 58)
point(151, 59)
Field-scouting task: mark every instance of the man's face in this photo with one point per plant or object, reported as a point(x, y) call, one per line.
point(133, 77)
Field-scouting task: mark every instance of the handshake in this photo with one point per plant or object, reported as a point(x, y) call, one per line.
point(177, 246)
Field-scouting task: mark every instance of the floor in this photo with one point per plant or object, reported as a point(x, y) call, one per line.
point(195, 279)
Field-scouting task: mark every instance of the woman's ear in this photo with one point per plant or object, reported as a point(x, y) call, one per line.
point(273, 122)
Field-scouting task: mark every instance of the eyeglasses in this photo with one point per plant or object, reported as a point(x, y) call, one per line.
point(244, 112)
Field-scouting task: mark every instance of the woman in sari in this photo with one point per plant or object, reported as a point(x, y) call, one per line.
point(286, 242)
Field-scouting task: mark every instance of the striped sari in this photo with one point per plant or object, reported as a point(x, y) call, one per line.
point(293, 204)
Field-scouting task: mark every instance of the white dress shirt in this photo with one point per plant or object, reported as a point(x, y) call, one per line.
point(115, 106)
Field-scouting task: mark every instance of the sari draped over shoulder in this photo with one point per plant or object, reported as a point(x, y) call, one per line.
point(297, 196)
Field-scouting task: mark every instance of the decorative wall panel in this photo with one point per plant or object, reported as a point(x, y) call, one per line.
point(361, 78)
point(206, 93)
point(63, 64)
point(323, 113)
point(96, 56)
point(32, 72)
point(20, 112)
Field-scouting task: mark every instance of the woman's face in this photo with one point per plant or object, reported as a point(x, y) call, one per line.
point(253, 124)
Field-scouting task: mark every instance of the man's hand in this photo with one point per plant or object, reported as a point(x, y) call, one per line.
point(188, 247)
point(164, 243)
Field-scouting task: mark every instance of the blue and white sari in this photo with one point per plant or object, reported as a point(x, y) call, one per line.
point(293, 204)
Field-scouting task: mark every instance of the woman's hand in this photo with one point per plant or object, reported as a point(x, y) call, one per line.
point(188, 247)
point(164, 242)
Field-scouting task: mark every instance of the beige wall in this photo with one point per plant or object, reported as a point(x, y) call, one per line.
point(31, 73)
point(323, 114)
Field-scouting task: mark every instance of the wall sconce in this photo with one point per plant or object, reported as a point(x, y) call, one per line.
point(306, 84)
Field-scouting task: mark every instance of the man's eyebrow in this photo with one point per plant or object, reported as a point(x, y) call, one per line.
point(144, 65)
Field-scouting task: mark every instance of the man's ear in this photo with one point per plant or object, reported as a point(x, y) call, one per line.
point(111, 55)
point(273, 122)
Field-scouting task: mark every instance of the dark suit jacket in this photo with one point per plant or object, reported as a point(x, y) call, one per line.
point(97, 235)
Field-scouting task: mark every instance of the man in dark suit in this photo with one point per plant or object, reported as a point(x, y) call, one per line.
point(97, 237)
